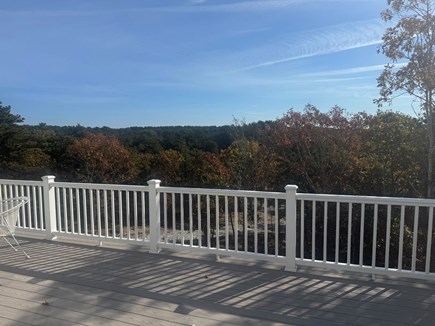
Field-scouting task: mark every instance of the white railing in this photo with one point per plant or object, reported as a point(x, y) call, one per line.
point(224, 222)
point(375, 235)
point(102, 211)
point(32, 215)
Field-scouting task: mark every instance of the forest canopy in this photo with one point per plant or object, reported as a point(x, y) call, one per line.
point(323, 152)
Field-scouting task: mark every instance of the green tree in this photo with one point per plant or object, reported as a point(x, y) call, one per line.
point(410, 44)
point(391, 162)
point(7, 118)
point(250, 164)
point(9, 134)
point(31, 162)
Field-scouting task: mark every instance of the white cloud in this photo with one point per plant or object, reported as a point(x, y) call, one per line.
point(317, 42)
point(351, 71)
point(248, 5)
point(191, 6)
point(348, 71)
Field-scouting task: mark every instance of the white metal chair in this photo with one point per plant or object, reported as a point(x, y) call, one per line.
point(9, 213)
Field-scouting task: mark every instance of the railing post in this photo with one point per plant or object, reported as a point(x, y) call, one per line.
point(49, 206)
point(154, 206)
point(290, 234)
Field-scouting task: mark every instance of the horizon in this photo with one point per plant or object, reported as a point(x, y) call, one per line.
point(133, 63)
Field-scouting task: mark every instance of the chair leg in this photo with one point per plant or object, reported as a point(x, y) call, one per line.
point(17, 244)
point(7, 241)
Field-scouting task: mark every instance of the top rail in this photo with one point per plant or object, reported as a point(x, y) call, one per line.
point(223, 192)
point(97, 186)
point(367, 199)
point(20, 182)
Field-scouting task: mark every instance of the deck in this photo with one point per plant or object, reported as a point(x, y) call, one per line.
point(65, 283)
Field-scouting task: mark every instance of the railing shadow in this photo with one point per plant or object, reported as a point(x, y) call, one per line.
point(166, 286)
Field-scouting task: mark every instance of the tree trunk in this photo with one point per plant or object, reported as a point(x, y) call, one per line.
point(431, 145)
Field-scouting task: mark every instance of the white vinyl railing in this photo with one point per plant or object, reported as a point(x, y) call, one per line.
point(375, 235)
point(225, 222)
point(102, 211)
point(32, 215)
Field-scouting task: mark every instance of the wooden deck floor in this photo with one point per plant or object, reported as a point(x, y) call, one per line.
point(75, 284)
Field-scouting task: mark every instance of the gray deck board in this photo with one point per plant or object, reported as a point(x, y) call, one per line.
point(90, 285)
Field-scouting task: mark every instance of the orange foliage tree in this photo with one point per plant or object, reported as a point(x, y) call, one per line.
point(204, 169)
point(102, 159)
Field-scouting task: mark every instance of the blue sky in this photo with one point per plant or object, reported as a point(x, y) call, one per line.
point(187, 62)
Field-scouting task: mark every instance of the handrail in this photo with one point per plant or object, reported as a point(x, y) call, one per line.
point(20, 182)
point(222, 192)
point(366, 199)
point(97, 186)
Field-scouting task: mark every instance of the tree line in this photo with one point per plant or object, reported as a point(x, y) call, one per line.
point(323, 152)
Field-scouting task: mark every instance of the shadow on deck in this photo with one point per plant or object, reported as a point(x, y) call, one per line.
point(65, 283)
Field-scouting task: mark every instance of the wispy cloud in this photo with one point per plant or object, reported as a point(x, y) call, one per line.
point(249, 31)
point(318, 42)
point(248, 5)
point(190, 6)
point(348, 71)
point(351, 71)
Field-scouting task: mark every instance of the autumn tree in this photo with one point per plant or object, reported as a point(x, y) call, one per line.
point(250, 165)
point(316, 149)
point(390, 162)
point(205, 170)
point(410, 45)
point(101, 159)
point(167, 166)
